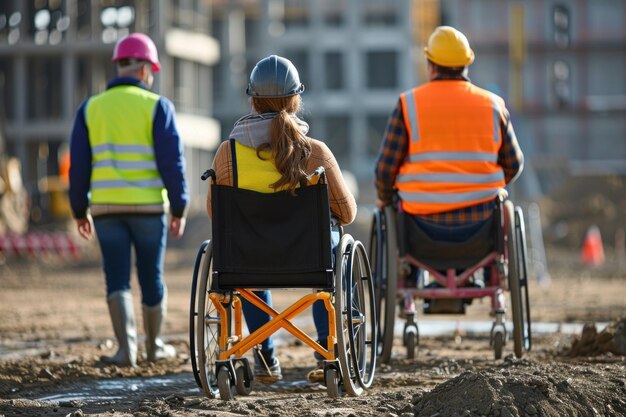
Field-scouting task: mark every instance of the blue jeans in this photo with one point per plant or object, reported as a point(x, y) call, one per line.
point(147, 234)
point(255, 318)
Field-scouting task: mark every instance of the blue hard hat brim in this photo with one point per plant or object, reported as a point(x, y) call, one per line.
point(296, 92)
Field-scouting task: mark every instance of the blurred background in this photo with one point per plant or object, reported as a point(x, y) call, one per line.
point(559, 64)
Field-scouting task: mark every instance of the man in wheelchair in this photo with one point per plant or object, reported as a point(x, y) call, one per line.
point(268, 151)
point(448, 150)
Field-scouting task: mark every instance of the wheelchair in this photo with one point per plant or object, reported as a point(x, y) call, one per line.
point(287, 246)
point(448, 269)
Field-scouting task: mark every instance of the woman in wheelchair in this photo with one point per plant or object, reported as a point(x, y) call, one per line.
point(268, 151)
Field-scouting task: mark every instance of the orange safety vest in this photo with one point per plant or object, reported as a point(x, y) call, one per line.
point(454, 136)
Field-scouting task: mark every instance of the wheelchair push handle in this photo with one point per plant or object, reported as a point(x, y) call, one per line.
point(318, 176)
point(503, 194)
point(208, 173)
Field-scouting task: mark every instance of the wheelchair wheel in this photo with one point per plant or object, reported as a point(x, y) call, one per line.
point(363, 329)
point(520, 235)
point(356, 316)
point(514, 278)
point(244, 384)
point(498, 345)
point(207, 328)
point(411, 338)
point(193, 314)
point(331, 379)
point(223, 383)
point(383, 260)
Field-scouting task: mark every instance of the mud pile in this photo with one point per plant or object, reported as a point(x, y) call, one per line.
point(522, 388)
point(612, 339)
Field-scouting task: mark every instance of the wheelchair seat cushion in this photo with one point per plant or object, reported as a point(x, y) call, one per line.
point(444, 254)
point(271, 240)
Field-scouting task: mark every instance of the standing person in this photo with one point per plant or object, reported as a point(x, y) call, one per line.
point(449, 146)
point(271, 152)
point(125, 153)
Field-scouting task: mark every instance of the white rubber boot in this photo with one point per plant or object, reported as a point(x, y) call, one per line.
point(123, 320)
point(153, 318)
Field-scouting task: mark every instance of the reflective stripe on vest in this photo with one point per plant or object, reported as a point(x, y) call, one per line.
point(448, 197)
point(454, 138)
point(120, 134)
point(468, 178)
point(453, 156)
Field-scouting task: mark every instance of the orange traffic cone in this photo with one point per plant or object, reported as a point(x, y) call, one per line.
point(593, 252)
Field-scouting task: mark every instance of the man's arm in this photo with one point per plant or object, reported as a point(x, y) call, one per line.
point(80, 173)
point(510, 156)
point(392, 153)
point(168, 151)
point(80, 165)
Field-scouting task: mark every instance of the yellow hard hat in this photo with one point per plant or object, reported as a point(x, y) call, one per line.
point(449, 48)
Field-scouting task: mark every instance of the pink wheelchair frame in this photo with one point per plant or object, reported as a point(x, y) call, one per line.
point(506, 259)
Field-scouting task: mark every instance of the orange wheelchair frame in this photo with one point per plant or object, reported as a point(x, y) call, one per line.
point(216, 336)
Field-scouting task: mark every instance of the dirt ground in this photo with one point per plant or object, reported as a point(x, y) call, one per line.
point(54, 326)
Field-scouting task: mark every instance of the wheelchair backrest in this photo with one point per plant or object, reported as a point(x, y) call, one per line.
point(442, 255)
point(271, 240)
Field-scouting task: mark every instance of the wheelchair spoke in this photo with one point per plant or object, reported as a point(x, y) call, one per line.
point(358, 333)
point(383, 257)
point(514, 270)
point(344, 287)
point(193, 314)
point(367, 335)
point(212, 323)
point(208, 329)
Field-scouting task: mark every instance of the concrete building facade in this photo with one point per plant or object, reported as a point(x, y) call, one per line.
point(353, 56)
point(56, 53)
point(561, 66)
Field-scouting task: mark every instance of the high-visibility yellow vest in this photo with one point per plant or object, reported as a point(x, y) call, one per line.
point(124, 170)
point(454, 138)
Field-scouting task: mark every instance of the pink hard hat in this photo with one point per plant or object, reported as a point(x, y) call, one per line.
point(137, 46)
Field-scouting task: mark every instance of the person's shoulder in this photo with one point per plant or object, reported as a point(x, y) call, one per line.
point(416, 91)
point(411, 90)
point(93, 103)
point(319, 148)
point(320, 154)
point(94, 98)
point(493, 96)
point(223, 151)
point(499, 101)
point(164, 106)
point(225, 145)
point(222, 164)
point(85, 103)
point(164, 101)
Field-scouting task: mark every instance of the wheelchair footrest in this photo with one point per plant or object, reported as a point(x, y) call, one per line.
point(445, 306)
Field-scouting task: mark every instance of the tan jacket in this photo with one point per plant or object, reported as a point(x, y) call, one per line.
point(342, 202)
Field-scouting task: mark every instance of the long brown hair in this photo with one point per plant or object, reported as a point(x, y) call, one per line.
point(289, 146)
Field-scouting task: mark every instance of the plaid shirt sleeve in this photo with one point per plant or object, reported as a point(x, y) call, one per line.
point(223, 167)
point(510, 156)
point(392, 152)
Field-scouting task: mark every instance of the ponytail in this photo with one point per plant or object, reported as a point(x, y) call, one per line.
point(289, 146)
